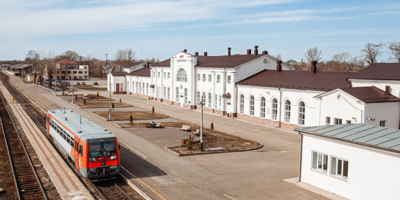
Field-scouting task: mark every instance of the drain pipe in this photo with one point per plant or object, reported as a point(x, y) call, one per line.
point(280, 107)
point(301, 154)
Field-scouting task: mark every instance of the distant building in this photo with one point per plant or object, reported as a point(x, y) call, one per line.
point(356, 161)
point(71, 70)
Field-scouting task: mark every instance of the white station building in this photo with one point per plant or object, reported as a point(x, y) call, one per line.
point(258, 87)
point(355, 161)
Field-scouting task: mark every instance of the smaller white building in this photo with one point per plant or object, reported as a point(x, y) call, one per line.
point(356, 161)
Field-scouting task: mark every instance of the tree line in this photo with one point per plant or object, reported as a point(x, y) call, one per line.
point(345, 62)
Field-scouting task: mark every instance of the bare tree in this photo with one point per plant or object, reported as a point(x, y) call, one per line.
point(394, 48)
point(124, 57)
point(371, 52)
point(71, 55)
point(313, 54)
point(341, 57)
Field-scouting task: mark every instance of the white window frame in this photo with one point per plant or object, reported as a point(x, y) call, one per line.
point(209, 100)
point(302, 113)
point(274, 113)
point(168, 93)
point(251, 112)
point(382, 123)
point(147, 89)
point(181, 76)
point(336, 169)
point(228, 79)
point(218, 78)
point(262, 107)
point(288, 108)
point(220, 102)
point(169, 75)
point(215, 102)
point(327, 120)
point(198, 97)
point(204, 77)
point(209, 78)
point(241, 110)
point(186, 95)
point(198, 77)
point(177, 94)
point(165, 92)
point(159, 74)
point(319, 161)
point(165, 74)
point(338, 121)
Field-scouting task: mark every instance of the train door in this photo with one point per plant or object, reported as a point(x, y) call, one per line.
point(76, 152)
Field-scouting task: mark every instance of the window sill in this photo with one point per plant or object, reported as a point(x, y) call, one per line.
point(339, 178)
point(319, 171)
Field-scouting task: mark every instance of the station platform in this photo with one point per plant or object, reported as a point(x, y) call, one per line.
point(65, 181)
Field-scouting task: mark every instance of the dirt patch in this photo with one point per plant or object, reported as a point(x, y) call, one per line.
point(91, 97)
point(100, 104)
point(211, 139)
point(125, 115)
point(91, 88)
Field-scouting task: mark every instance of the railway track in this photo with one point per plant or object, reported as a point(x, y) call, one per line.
point(100, 190)
point(26, 180)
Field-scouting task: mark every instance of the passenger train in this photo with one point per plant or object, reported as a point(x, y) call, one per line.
point(91, 148)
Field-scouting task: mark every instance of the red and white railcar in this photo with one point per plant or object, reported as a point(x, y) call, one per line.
point(92, 149)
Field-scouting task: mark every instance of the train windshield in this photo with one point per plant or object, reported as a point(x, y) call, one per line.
point(99, 149)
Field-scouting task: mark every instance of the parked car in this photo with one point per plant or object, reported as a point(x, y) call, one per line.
point(77, 83)
point(95, 83)
point(83, 83)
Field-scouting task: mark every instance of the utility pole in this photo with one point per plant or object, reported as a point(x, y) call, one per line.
point(109, 100)
point(201, 123)
point(73, 92)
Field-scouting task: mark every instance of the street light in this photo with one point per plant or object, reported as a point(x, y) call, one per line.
point(201, 103)
point(109, 100)
point(55, 88)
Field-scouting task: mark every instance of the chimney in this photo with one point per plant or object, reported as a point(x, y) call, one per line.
point(196, 53)
point(313, 67)
point(265, 52)
point(229, 51)
point(185, 50)
point(147, 65)
point(205, 53)
point(248, 51)
point(256, 50)
point(279, 65)
point(387, 90)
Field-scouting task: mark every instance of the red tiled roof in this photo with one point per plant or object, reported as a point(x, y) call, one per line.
point(133, 64)
point(67, 61)
point(164, 63)
point(302, 80)
point(141, 72)
point(379, 71)
point(225, 61)
point(119, 73)
point(370, 94)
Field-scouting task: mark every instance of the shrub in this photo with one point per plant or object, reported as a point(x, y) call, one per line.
point(120, 101)
point(84, 101)
point(189, 145)
point(97, 93)
point(212, 127)
point(152, 110)
point(131, 119)
point(75, 97)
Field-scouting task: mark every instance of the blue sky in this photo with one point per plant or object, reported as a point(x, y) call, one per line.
point(161, 28)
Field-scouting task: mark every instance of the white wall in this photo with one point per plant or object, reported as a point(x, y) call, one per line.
point(114, 81)
point(372, 174)
point(133, 83)
point(294, 96)
point(388, 112)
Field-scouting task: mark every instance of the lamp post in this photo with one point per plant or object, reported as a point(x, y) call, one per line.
point(109, 99)
point(73, 92)
point(202, 102)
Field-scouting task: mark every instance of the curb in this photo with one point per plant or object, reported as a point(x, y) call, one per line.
point(212, 152)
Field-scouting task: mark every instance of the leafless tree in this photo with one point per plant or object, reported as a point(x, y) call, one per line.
point(394, 48)
point(371, 52)
point(123, 57)
point(71, 55)
point(341, 57)
point(313, 54)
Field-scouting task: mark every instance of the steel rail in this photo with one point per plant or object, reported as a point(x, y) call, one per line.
point(26, 152)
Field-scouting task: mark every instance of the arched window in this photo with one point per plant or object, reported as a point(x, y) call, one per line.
point(302, 113)
point(274, 109)
point(198, 97)
point(215, 102)
point(209, 100)
point(262, 106)
point(169, 93)
point(181, 75)
point(287, 111)
point(203, 96)
point(241, 103)
point(251, 105)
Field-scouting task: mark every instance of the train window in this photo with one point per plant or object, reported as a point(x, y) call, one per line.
point(80, 150)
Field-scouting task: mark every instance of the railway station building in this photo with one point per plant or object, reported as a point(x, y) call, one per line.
point(258, 87)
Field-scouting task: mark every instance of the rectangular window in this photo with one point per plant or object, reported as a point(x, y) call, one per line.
point(209, 78)
point(169, 74)
point(319, 161)
point(327, 120)
point(338, 121)
point(159, 74)
point(382, 123)
point(339, 167)
point(198, 77)
point(168, 94)
point(220, 102)
point(218, 78)
point(186, 96)
point(348, 121)
point(204, 77)
point(229, 79)
point(165, 74)
point(165, 93)
point(215, 102)
point(158, 92)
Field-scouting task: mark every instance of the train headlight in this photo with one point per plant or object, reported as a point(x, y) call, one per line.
point(92, 159)
point(113, 157)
